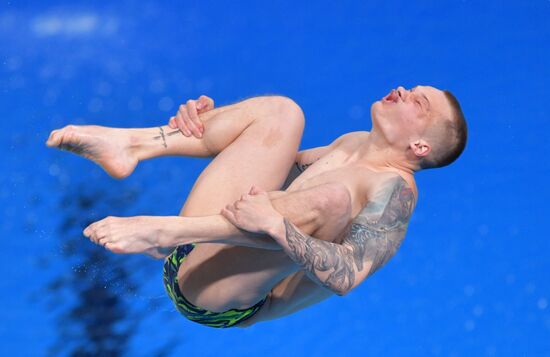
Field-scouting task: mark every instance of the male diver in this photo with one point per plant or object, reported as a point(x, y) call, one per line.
point(267, 230)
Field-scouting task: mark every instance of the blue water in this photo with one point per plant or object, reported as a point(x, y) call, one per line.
point(471, 277)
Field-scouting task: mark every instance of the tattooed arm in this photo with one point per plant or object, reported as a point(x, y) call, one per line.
point(373, 238)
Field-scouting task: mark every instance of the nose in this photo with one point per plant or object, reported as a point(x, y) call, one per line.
point(402, 91)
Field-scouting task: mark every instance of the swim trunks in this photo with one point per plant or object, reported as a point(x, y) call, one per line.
point(194, 313)
point(295, 171)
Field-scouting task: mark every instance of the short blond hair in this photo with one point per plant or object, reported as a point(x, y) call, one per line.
point(452, 135)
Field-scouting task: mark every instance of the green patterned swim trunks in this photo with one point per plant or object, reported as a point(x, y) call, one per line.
point(194, 313)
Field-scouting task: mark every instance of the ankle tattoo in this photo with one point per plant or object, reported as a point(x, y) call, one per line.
point(163, 136)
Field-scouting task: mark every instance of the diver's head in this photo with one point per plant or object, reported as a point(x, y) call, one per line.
point(424, 122)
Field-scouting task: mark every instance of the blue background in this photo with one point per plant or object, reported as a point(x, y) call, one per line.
point(471, 277)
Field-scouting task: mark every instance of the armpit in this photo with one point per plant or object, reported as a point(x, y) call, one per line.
point(294, 172)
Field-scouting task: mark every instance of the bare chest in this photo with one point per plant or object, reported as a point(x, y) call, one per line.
point(332, 167)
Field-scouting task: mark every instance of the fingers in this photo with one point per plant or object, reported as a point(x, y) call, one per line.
point(187, 120)
point(233, 208)
point(181, 121)
point(229, 213)
point(172, 123)
point(255, 190)
point(205, 104)
point(194, 123)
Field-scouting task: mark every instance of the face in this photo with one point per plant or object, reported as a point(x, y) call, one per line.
point(404, 115)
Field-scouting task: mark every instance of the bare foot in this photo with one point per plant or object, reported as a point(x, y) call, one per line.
point(141, 234)
point(107, 147)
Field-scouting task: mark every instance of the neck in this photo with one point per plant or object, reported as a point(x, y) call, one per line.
point(375, 152)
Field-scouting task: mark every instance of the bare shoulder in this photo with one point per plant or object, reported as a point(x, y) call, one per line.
point(352, 136)
point(393, 201)
point(379, 229)
point(377, 232)
point(388, 181)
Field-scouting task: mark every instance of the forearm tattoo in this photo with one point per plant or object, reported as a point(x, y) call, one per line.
point(374, 236)
point(163, 136)
point(315, 255)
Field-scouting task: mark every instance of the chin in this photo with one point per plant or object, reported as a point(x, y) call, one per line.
point(374, 114)
point(375, 107)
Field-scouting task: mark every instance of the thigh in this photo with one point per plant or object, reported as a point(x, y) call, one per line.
point(262, 155)
point(293, 293)
point(238, 277)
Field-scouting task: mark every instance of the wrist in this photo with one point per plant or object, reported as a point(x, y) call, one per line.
point(277, 229)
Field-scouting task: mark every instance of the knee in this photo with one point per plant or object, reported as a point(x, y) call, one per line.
point(334, 203)
point(289, 110)
point(280, 111)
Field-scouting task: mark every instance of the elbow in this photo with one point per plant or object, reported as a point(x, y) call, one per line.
point(345, 290)
point(341, 292)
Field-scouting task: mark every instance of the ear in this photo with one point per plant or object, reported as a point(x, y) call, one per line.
point(420, 148)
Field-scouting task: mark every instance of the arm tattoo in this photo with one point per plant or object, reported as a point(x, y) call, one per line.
point(317, 255)
point(163, 136)
point(374, 236)
point(378, 231)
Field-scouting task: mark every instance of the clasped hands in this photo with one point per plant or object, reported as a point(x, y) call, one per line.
point(253, 212)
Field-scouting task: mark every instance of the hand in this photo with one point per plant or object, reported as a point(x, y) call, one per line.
point(187, 118)
point(253, 212)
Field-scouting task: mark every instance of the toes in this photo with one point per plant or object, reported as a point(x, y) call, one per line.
point(103, 241)
point(63, 138)
point(115, 248)
point(52, 139)
point(90, 230)
point(95, 233)
point(96, 237)
point(109, 245)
